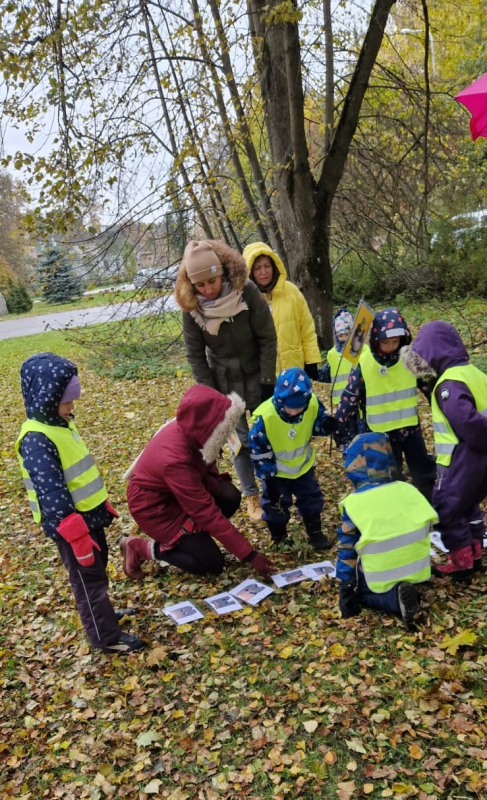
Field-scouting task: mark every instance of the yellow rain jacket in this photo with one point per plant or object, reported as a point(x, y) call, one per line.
point(297, 344)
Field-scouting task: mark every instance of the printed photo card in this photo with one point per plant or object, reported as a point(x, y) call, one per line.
point(181, 613)
point(251, 591)
point(223, 603)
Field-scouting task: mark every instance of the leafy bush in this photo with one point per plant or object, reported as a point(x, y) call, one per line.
point(17, 297)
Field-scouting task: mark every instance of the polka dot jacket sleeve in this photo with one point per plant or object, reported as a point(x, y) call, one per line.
point(261, 452)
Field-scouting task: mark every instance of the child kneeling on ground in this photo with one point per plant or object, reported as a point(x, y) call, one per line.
point(67, 495)
point(383, 541)
point(283, 457)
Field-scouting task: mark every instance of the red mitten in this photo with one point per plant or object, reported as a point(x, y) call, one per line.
point(263, 565)
point(75, 531)
point(111, 509)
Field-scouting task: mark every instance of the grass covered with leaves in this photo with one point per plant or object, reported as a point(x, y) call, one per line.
point(279, 701)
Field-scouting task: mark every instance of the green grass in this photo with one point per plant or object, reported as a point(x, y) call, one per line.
point(396, 715)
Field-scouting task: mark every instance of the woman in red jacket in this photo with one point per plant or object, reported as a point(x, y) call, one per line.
point(178, 498)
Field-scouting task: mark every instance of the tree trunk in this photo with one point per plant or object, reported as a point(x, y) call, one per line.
point(305, 204)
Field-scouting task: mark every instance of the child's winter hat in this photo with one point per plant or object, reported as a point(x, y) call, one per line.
point(201, 262)
point(72, 390)
point(369, 460)
point(343, 321)
point(389, 322)
point(293, 389)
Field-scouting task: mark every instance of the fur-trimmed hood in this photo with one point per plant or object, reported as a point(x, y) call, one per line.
point(234, 268)
point(437, 347)
point(207, 418)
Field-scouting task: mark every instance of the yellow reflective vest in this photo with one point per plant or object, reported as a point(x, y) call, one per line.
point(290, 443)
point(394, 521)
point(339, 379)
point(83, 480)
point(391, 395)
point(445, 438)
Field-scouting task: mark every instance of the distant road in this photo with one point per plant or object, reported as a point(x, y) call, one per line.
point(26, 326)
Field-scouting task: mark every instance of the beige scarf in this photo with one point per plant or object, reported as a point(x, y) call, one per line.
point(211, 313)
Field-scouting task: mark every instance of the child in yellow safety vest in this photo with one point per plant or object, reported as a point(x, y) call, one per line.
point(67, 495)
point(337, 369)
point(459, 411)
point(390, 394)
point(283, 457)
point(383, 540)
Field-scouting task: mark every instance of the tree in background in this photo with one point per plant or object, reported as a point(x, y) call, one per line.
point(56, 276)
point(14, 243)
point(134, 86)
point(17, 297)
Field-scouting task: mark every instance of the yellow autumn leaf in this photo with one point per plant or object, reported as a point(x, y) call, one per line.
point(462, 639)
point(286, 652)
point(331, 757)
point(368, 788)
point(156, 656)
point(415, 752)
point(337, 650)
point(310, 725)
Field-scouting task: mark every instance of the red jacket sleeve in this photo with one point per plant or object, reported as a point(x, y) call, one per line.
point(198, 503)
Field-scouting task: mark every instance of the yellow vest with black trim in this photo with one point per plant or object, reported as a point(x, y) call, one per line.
point(83, 480)
point(394, 545)
point(391, 395)
point(445, 439)
point(294, 454)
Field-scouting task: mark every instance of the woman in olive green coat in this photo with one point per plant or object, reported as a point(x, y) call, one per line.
point(229, 336)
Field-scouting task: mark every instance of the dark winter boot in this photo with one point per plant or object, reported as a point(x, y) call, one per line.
point(315, 534)
point(477, 555)
point(278, 532)
point(121, 613)
point(459, 566)
point(127, 643)
point(408, 599)
point(134, 552)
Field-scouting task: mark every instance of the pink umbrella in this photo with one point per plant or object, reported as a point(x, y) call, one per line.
point(474, 97)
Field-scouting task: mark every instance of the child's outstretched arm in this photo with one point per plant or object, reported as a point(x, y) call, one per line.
point(324, 424)
point(261, 452)
point(348, 407)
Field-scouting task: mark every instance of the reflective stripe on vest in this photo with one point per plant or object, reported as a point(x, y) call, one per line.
point(445, 438)
point(83, 480)
point(391, 395)
point(338, 379)
point(394, 545)
point(294, 456)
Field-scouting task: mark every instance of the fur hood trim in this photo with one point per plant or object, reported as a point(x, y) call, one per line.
point(234, 268)
point(220, 434)
point(414, 363)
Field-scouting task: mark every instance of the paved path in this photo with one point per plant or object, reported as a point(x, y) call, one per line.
point(26, 326)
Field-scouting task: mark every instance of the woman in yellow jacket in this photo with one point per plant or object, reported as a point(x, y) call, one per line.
point(297, 345)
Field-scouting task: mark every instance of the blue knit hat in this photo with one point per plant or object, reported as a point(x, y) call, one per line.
point(293, 389)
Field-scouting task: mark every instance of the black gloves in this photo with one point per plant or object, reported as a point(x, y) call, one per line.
point(266, 391)
point(349, 602)
point(311, 371)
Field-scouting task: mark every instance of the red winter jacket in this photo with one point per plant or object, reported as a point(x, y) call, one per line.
point(171, 480)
